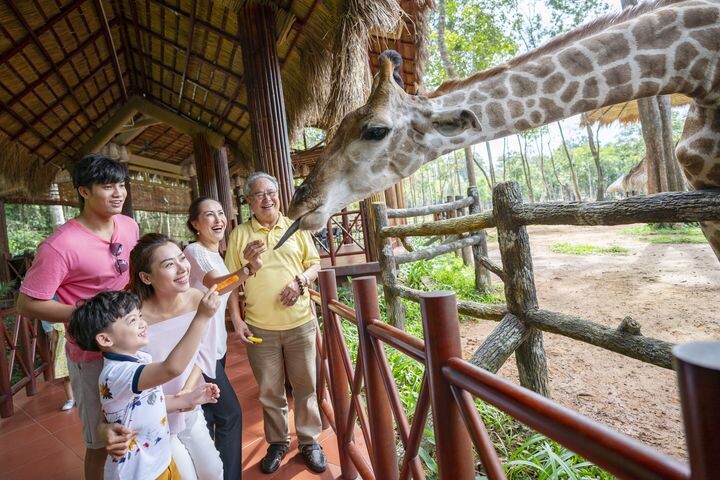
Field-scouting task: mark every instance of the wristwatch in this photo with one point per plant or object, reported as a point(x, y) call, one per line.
point(246, 271)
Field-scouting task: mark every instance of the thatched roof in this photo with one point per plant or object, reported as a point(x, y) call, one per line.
point(628, 112)
point(68, 66)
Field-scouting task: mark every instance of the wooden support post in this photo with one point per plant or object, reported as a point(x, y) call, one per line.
point(442, 342)
point(6, 396)
point(339, 383)
point(367, 311)
point(204, 166)
point(482, 275)
point(520, 285)
point(127, 208)
point(271, 145)
point(27, 353)
point(4, 245)
point(223, 185)
point(388, 270)
point(698, 370)
point(371, 238)
point(330, 237)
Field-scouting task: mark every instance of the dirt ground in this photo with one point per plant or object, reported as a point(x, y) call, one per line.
point(671, 290)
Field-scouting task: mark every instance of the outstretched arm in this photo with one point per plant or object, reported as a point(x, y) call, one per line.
point(184, 401)
point(158, 373)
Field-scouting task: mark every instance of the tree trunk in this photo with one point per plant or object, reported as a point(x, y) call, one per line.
point(570, 163)
point(526, 168)
point(490, 165)
point(676, 180)
point(600, 190)
point(557, 176)
point(504, 157)
point(442, 46)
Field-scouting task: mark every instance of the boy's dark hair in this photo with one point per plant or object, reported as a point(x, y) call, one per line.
point(97, 314)
point(97, 169)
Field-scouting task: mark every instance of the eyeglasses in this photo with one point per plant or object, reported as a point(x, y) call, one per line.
point(121, 265)
point(261, 195)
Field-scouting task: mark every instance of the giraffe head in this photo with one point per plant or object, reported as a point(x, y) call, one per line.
point(377, 145)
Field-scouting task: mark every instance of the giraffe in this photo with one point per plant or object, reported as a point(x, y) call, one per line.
point(654, 48)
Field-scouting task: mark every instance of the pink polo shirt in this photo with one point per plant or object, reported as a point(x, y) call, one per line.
point(75, 264)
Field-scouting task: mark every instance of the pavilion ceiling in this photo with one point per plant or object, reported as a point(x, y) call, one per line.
point(67, 66)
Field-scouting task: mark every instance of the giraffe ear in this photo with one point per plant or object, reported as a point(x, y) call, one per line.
point(450, 123)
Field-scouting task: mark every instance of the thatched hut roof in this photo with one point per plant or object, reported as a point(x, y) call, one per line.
point(68, 66)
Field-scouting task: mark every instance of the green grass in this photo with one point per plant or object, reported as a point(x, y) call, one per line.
point(667, 234)
point(587, 249)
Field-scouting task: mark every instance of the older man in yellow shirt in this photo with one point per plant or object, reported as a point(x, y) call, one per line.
point(277, 309)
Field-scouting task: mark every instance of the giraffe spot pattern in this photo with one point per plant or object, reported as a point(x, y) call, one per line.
point(648, 89)
point(499, 91)
point(700, 17)
point(522, 125)
point(698, 69)
point(684, 54)
point(495, 114)
point(538, 70)
point(584, 105)
point(618, 94)
point(535, 117)
point(521, 86)
point(617, 75)
point(703, 145)
point(708, 38)
point(516, 108)
point(655, 32)
point(609, 47)
point(551, 108)
point(553, 83)
point(530, 103)
point(651, 66)
point(713, 175)
point(590, 89)
point(575, 61)
point(570, 91)
point(477, 97)
point(691, 163)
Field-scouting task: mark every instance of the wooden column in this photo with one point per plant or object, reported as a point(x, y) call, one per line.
point(204, 166)
point(224, 187)
point(268, 121)
point(127, 206)
point(4, 245)
point(371, 246)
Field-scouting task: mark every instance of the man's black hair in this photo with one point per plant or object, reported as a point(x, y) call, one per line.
point(97, 314)
point(97, 169)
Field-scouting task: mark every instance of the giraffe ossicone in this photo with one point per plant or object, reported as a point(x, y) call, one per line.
point(655, 48)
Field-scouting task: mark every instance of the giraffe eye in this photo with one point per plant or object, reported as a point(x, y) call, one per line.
point(375, 133)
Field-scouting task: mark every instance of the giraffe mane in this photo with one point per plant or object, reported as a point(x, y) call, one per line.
point(572, 36)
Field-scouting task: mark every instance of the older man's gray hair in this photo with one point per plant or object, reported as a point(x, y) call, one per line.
point(257, 176)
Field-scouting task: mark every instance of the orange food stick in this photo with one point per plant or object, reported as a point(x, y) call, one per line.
point(227, 282)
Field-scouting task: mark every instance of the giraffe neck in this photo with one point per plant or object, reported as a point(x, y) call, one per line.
point(672, 49)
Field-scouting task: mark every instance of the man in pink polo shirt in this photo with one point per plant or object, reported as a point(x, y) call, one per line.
point(87, 255)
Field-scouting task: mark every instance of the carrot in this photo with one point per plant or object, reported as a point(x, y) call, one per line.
point(227, 282)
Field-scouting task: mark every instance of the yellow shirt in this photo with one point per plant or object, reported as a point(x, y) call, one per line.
point(262, 292)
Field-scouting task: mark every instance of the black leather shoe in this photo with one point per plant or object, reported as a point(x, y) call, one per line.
point(314, 457)
point(273, 457)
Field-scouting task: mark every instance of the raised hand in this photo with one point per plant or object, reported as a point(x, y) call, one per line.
point(253, 254)
point(205, 393)
point(209, 303)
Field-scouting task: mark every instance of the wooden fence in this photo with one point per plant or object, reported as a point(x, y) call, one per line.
point(365, 393)
point(521, 321)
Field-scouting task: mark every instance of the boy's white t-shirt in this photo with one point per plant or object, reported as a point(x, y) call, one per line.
point(203, 261)
point(149, 453)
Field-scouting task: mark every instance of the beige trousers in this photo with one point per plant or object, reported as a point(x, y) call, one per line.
point(292, 350)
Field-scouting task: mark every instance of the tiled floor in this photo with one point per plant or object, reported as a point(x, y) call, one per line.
point(40, 441)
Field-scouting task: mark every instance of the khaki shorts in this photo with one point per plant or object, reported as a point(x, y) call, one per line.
point(84, 381)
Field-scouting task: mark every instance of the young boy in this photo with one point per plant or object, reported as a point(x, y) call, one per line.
point(129, 383)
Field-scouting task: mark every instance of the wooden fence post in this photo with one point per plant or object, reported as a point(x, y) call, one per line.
point(698, 369)
point(27, 352)
point(442, 342)
point(384, 456)
point(388, 269)
point(6, 396)
point(339, 383)
point(467, 255)
point(520, 285)
point(482, 275)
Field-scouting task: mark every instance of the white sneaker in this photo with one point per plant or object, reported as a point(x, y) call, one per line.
point(67, 405)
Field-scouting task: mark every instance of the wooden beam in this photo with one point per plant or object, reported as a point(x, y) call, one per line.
point(121, 116)
point(188, 51)
point(178, 122)
point(111, 46)
point(130, 132)
point(153, 164)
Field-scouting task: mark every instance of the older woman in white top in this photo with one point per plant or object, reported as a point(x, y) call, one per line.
point(206, 219)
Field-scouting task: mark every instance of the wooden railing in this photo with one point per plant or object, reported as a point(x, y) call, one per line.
point(343, 228)
point(366, 394)
point(22, 343)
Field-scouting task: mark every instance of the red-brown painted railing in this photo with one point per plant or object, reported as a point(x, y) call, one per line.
point(449, 385)
point(21, 346)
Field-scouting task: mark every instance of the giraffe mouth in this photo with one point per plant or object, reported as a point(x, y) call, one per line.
point(289, 233)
